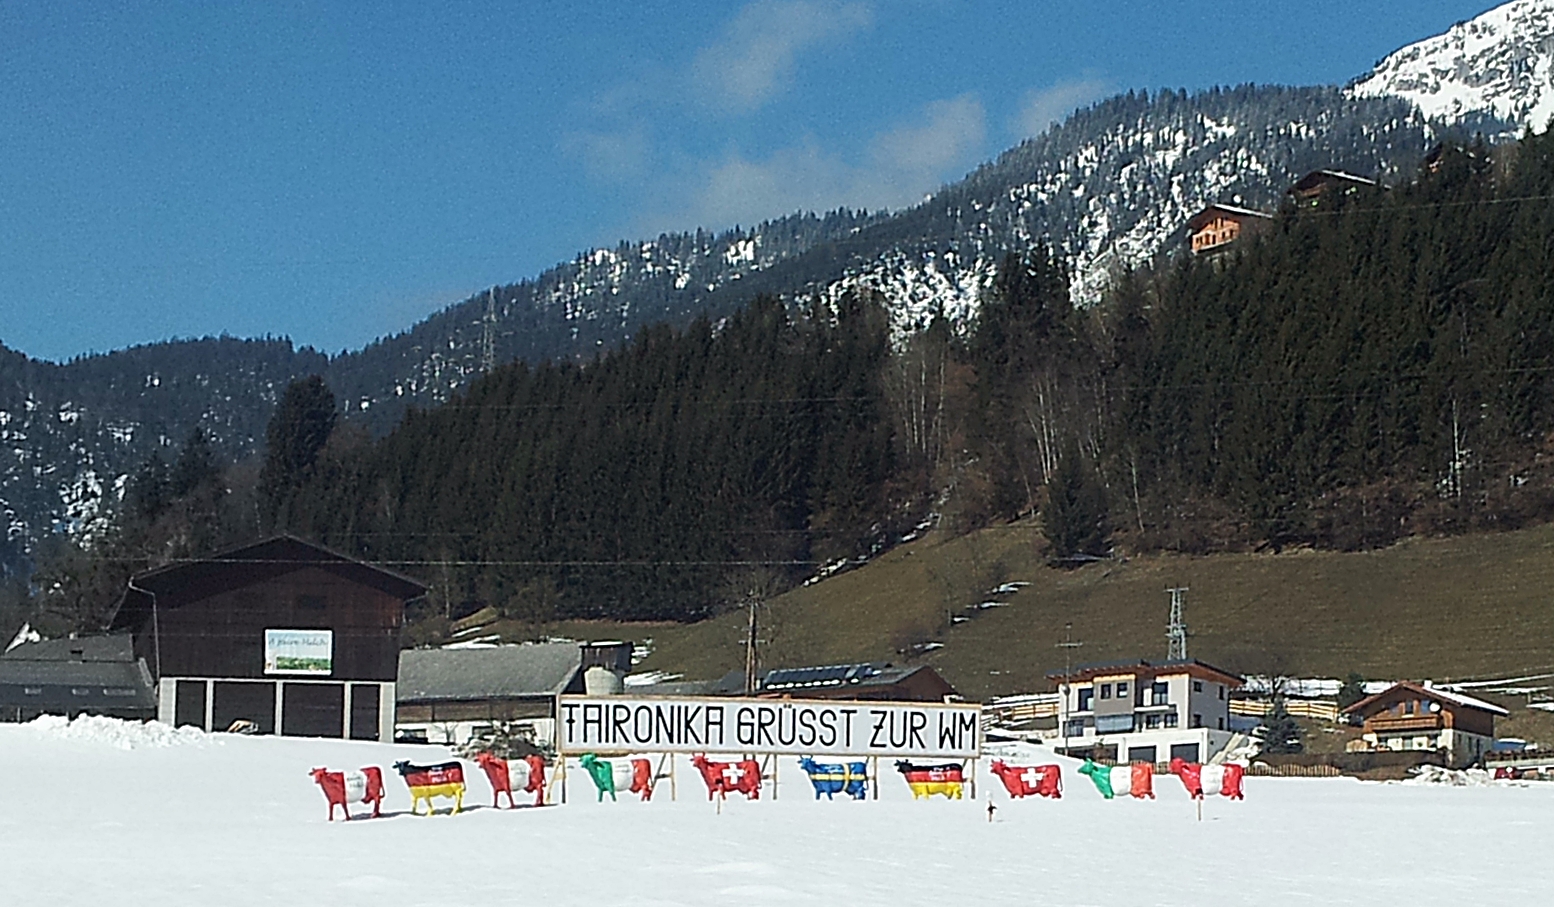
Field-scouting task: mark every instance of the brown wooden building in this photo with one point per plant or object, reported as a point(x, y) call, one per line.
point(293, 637)
point(1421, 717)
point(901, 683)
point(1216, 226)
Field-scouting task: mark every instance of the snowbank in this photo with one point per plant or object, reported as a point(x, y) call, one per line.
point(115, 732)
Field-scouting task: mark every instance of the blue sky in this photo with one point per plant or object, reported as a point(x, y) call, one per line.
point(333, 172)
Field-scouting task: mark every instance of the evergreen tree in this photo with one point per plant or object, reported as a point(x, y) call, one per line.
point(1075, 519)
point(149, 492)
point(196, 464)
point(297, 433)
point(1352, 691)
point(1281, 735)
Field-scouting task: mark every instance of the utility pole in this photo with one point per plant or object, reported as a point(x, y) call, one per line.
point(750, 659)
point(1068, 646)
point(488, 334)
point(1176, 630)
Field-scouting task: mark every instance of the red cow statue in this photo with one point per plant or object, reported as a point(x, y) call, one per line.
point(642, 778)
point(344, 788)
point(531, 773)
point(1025, 780)
point(724, 778)
point(1199, 780)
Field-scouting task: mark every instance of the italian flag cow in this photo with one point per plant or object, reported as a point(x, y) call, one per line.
point(1136, 780)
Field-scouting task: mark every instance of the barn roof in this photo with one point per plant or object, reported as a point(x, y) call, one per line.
point(91, 674)
point(868, 674)
point(192, 580)
point(498, 672)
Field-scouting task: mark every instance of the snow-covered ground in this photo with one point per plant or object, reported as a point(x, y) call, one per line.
point(102, 814)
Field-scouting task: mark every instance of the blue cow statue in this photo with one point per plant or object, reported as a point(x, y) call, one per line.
point(850, 778)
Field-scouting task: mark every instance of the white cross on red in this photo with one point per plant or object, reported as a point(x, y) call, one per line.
point(732, 774)
point(1031, 778)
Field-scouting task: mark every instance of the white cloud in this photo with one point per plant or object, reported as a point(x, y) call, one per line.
point(1042, 107)
point(748, 65)
point(952, 131)
point(901, 165)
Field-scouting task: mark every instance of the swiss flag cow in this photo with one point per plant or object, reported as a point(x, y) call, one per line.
point(724, 778)
point(1025, 780)
point(344, 788)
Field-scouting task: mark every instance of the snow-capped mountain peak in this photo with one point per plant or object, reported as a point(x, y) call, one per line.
point(1499, 64)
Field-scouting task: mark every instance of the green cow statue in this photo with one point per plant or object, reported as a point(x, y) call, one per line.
point(602, 772)
point(1101, 775)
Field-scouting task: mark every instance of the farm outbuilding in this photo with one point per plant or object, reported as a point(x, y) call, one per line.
point(456, 694)
point(286, 635)
point(96, 675)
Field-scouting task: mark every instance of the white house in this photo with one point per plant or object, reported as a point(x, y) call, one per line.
point(1145, 711)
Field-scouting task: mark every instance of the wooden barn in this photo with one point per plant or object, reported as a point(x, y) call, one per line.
point(292, 637)
point(1217, 226)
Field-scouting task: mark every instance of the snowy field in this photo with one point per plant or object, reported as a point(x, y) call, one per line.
point(103, 813)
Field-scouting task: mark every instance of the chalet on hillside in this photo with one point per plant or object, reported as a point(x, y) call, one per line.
point(1421, 717)
point(1312, 188)
point(1217, 226)
point(286, 635)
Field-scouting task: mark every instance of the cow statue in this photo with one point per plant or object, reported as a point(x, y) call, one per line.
point(344, 788)
point(1136, 780)
point(851, 778)
point(1201, 780)
point(1024, 780)
point(528, 773)
point(724, 778)
point(446, 779)
point(927, 780)
point(634, 775)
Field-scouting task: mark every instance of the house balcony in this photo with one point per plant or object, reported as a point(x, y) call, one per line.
point(1404, 723)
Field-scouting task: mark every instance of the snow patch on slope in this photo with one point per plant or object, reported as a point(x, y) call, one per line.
point(1500, 64)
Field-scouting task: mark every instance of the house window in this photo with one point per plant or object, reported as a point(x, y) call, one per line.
point(1221, 723)
point(1074, 728)
point(1197, 686)
point(1122, 690)
point(1085, 697)
point(1170, 718)
point(1106, 691)
point(1159, 693)
point(1221, 692)
point(1197, 720)
point(1151, 722)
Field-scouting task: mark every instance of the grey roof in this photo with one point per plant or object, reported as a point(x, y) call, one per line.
point(50, 683)
point(500, 672)
point(867, 674)
point(119, 647)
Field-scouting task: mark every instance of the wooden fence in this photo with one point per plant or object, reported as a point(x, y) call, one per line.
point(1315, 709)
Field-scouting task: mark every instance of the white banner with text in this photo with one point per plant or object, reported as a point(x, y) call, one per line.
point(798, 727)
